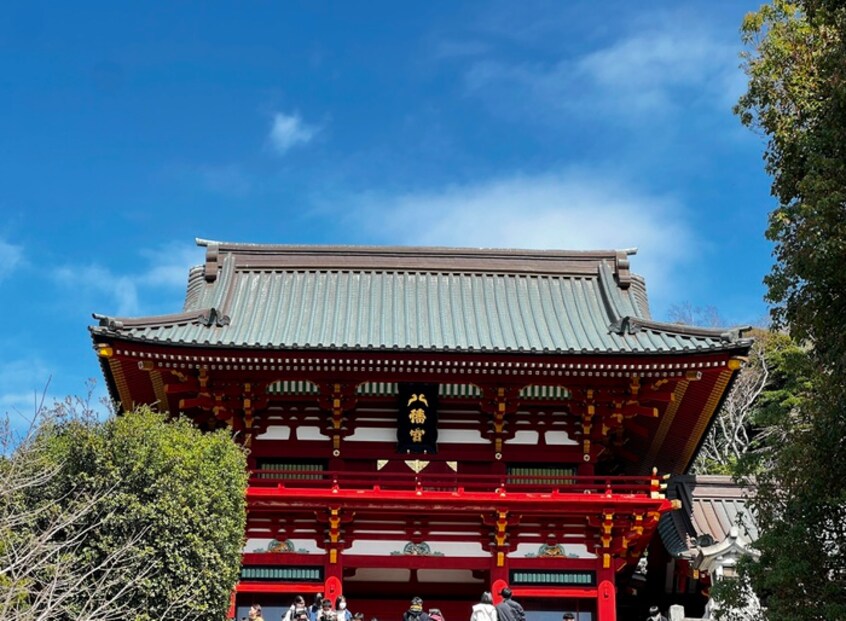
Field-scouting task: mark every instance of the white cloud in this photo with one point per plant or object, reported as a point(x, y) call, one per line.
point(675, 64)
point(28, 384)
point(96, 279)
point(169, 265)
point(289, 130)
point(573, 210)
point(647, 70)
point(24, 387)
point(167, 270)
point(11, 257)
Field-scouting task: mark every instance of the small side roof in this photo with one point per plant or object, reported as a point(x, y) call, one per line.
point(425, 299)
point(714, 511)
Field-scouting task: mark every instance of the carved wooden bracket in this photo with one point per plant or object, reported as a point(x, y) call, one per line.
point(499, 523)
point(337, 398)
point(499, 401)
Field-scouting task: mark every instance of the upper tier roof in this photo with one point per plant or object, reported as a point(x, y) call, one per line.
point(427, 299)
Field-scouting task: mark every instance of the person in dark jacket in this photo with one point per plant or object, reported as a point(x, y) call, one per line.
point(508, 609)
point(315, 607)
point(415, 611)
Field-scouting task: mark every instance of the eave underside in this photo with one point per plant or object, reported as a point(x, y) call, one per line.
point(677, 395)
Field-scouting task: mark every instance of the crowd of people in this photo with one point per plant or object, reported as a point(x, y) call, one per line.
point(324, 609)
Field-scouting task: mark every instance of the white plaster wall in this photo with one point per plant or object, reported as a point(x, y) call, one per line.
point(260, 544)
point(523, 549)
point(275, 432)
point(559, 438)
point(447, 548)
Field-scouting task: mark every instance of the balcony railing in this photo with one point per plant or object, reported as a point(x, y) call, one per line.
point(542, 484)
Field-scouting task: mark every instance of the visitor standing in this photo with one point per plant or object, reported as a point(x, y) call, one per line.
point(294, 611)
point(315, 607)
point(326, 613)
point(341, 609)
point(484, 610)
point(415, 611)
point(508, 609)
point(655, 614)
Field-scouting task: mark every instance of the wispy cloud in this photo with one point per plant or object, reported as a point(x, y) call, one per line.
point(168, 265)
point(29, 384)
point(288, 131)
point(676, 62)
point(11, 257)
point(167, 270)
point(100, 281)
point(24, 386)
point(575, 209)
point(653, 71)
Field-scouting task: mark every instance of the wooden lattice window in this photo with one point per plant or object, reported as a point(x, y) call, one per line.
point(541, 475)
point(284, 469)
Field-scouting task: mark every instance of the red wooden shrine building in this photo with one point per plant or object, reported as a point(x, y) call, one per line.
point(434, 421)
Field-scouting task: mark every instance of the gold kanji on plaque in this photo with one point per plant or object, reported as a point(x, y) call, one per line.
point(421, 397)
point(417, 417)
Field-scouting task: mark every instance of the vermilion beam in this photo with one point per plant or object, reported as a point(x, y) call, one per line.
point(434, 501)
point(279, 587)
point(548, 592)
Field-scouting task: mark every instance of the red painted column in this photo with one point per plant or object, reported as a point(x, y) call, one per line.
point(332, 588)
point(606, 595)
point(499, 560)
point(606, 592)
point(333, 565)
point(606, 605)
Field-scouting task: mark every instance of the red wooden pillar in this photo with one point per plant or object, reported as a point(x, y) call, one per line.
point(332, 588)
point(606, 594)
point(499, 560)
point(333, 567)
point(497, 585)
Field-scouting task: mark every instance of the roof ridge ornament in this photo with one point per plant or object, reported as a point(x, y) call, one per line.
point(622, 267)
point(108, 322)
point(208, 317)
point(633, 325)
point(214, 318)
point(212, 261)
point(625, 325)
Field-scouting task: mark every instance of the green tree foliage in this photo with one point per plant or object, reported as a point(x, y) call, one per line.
point(797, 99)
point(146, 514)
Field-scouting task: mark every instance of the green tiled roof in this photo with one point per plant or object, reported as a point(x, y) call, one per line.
point(424, 299)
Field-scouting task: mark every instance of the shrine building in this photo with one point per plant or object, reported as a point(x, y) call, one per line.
point(434, 422)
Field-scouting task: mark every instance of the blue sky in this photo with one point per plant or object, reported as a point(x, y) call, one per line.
point(127, 130)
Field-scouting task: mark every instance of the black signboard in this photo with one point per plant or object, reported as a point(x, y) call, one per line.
point(417, 418)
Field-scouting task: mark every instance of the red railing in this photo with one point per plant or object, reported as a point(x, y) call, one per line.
point(447, 482)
